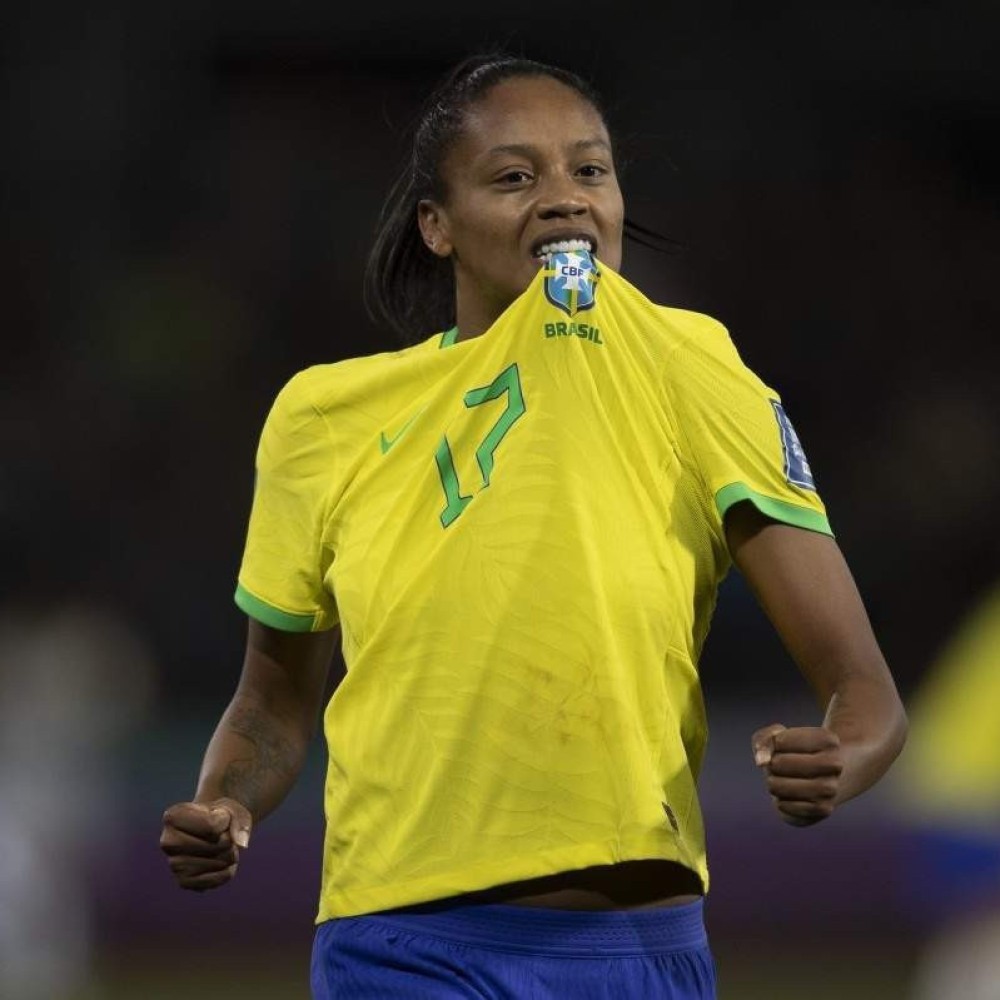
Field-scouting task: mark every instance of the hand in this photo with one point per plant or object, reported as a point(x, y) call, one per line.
point(202, 841)
point(803, 768)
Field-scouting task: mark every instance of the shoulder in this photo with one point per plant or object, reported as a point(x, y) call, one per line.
point(701, 365)
point(700, 347)
point(695, 333)
point(324, 390)
point(674, 331)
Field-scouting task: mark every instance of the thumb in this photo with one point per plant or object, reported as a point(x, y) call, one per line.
point(240, 822)
point(228, 815)
point(762, 743)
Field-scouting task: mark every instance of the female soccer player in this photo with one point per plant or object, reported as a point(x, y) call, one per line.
point(519, 525)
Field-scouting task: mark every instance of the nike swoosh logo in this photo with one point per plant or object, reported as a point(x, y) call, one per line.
point(387, 443)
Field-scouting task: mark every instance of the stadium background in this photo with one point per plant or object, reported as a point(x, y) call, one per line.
point(191, 190)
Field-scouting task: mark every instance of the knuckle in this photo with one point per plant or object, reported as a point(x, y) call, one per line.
point(818, 810)
point(828, 788)
point(202, 881)
point(175, 812)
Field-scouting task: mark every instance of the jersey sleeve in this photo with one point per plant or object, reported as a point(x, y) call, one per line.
point(738, 434)
point(281, 579)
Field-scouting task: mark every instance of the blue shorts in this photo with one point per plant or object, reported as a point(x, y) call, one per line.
point(501, 952)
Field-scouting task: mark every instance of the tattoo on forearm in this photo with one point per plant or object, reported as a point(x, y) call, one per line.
point(246, 779)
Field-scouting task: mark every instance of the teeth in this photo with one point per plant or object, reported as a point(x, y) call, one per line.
point(564, 246)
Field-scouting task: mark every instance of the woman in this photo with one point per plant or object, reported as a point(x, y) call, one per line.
point(519, 525)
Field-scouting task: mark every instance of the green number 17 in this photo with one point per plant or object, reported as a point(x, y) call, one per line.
point(508, 381)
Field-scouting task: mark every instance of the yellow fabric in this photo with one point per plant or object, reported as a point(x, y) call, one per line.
point(522, 695)
point(949, 772)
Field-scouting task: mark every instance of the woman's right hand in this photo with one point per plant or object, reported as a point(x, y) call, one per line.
point(254, 756)
point(202, 841)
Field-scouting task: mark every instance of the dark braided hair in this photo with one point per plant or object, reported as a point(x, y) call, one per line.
point(406, 286)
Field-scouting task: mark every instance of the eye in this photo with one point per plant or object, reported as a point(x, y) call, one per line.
point(593, 171)
point(513, 178)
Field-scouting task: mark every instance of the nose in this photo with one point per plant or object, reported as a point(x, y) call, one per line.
point(561, 198)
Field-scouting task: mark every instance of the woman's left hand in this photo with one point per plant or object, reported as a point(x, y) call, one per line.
point(802, 767)
point(804, 586)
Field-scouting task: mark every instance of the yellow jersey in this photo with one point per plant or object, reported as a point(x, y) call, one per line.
point(521, 536)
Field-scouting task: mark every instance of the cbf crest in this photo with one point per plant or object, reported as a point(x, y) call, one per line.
point(571, 281)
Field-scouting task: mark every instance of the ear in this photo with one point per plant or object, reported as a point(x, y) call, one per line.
point(433, 221)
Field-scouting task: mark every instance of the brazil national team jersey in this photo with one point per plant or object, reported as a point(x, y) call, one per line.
point(521, 536)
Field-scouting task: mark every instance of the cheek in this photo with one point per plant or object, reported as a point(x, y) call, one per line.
point(614, 221)
point(611, 252)
point(480, 233)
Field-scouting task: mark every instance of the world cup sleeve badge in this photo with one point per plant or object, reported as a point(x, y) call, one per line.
point(571, 281)
point(797, 471)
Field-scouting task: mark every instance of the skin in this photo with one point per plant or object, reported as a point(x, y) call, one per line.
point(254, 756)
point(534, 163)
point(803, 584)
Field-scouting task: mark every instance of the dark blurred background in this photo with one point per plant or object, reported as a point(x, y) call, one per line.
point(191, 190)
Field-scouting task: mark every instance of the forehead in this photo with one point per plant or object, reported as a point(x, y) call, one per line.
point(533, 110)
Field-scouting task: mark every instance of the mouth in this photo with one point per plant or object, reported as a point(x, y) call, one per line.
point(543, 250)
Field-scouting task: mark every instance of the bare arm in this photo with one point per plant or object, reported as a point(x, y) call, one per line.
point(803, 584)
point(261, 742)
point(254, 756)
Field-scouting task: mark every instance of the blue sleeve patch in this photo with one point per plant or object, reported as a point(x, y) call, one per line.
point(797, 471)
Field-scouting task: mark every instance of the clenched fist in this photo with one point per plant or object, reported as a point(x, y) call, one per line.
point(803, 767)
point(203, 841)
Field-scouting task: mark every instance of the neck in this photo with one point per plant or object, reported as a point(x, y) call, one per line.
point(470, 327)
point(474, 315)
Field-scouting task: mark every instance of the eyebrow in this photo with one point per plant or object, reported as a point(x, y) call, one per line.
point(526, 149)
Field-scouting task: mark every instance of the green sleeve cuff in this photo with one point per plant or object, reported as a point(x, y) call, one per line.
point(268, 615)
point(779, 510)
